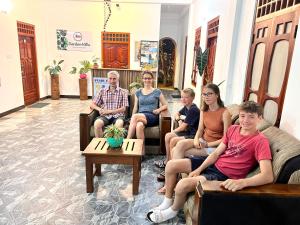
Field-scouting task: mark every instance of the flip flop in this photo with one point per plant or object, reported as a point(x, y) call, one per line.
point(162, 190)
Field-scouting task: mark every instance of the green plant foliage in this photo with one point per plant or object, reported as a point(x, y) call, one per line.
point(114, 132)
point(85, 67)
point(135, 85)
point(55, 68)
point(201, 60)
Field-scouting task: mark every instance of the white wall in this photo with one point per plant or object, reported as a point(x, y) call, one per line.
point(233, 50)
point(235, 27)
point(202, 11)
point(11, 89)
point(290, 121)
point(47, 16)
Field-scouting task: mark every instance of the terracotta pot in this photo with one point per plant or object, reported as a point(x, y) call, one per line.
point(55, 87)
point(83, 89)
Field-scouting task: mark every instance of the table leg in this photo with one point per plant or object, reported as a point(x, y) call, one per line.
point(136, 175)
point(89, 175)
point(98, 169)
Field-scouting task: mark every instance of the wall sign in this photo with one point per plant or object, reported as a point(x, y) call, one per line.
point(73, 40)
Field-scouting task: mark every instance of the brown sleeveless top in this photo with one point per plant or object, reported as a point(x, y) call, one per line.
point(213, 125)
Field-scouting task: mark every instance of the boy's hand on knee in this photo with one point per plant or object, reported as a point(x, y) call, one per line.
point(233, 185)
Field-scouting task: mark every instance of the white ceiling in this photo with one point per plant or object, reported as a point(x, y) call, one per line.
point(173, 9)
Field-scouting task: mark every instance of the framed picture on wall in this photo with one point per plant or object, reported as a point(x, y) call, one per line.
point(149, 54)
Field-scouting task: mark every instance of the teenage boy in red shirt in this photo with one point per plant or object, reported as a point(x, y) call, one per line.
point(242, 148)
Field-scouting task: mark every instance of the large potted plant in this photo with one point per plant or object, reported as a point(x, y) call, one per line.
point(114, 135)
point(82, 71)
point(54, 70)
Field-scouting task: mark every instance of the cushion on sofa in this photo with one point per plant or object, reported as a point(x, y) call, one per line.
point(295, 178)
point(234, 110)
point(284, 147)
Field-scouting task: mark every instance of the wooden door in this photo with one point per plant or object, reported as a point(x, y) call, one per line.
point(184, 62)
point(211, 44)
point(28, 63)
point(269, 63)
point(115, 50)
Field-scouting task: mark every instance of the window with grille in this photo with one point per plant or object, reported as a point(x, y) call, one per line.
point(115, 50)
point(266, 7)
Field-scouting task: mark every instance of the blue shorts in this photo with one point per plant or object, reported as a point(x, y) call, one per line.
point(152, 119)
point(211, 172)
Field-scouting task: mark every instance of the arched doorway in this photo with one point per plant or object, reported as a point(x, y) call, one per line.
point(166, 64)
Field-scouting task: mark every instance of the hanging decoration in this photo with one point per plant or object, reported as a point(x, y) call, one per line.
point(107, 13)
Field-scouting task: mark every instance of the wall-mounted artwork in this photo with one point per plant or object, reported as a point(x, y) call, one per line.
point(149, 54)
point(137, 51)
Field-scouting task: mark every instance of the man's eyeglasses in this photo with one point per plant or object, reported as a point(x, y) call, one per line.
point(147, 78)
point(207, 94)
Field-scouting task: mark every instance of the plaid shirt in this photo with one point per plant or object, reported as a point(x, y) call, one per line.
point(106, 99)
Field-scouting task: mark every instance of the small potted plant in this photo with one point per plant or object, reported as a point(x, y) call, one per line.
point(54, 70)
point(95, 62)
point(82, 71)
point(114, 135)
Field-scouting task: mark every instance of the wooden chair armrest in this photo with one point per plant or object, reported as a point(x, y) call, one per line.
point(165, 127)
point(86, 119)
point(265, 194)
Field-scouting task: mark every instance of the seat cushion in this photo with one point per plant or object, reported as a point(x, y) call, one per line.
point(152, 132)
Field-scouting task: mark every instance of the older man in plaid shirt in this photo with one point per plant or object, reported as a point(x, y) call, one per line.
point(111, 104)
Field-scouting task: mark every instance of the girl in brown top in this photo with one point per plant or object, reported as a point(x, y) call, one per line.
point(213, 124)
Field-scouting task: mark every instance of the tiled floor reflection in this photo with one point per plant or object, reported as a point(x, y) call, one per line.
point(42, 173)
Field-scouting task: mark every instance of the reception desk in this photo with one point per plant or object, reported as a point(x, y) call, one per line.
point(126, 76)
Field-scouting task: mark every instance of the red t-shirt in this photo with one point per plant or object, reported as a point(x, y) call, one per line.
point(242, 152)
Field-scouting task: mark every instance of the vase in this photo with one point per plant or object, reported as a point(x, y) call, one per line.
point(114, 143)
point(83, 89)
point(55, 87)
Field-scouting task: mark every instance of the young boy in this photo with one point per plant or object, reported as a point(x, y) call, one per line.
point(242, 148)
point(188, 120)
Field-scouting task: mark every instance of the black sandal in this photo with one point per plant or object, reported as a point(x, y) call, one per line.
point(148, 216)
point(161, 176)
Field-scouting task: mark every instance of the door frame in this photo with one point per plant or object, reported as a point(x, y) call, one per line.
point(22, 29)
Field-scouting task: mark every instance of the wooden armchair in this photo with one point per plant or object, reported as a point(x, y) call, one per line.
point(154, 136)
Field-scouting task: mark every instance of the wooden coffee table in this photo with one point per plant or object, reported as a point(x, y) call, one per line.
point(98, 152)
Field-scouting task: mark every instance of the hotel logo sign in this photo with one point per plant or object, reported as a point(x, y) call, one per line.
point(73, 40)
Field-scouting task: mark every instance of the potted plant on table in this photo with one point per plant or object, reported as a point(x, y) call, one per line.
point(82, 71)
point(95, 62)
point(54, 70)
point(114, 135)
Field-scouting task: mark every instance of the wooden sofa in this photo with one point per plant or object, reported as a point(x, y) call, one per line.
point(154, 136)
point(281, 197)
